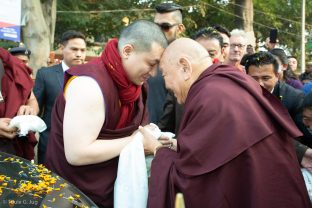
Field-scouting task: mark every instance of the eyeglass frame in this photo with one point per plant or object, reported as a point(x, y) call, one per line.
point(240, 46)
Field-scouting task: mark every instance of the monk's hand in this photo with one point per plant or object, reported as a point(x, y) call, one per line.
point(306, 161)
point(168, 142)
point(150, 143)
point(5, 130)
point(26, 110)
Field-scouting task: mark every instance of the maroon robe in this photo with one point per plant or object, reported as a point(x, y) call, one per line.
point(234, 149)
point(16, 89)
point(97, 180)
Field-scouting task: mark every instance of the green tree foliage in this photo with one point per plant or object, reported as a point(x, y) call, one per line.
point(100, 20)
point(106, 20)
point(285, 15)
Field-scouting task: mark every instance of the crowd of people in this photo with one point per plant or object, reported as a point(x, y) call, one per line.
point(242, 119)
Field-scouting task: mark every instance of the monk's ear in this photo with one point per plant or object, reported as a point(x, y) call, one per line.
point(126, 51)
point(185, 67)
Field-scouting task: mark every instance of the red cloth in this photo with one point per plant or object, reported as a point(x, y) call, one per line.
point(127, 90)
point(16, 88)
point(215, 61)
point(234, 149)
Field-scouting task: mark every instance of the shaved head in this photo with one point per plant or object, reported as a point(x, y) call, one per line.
point(181, 64)
point(186, 48)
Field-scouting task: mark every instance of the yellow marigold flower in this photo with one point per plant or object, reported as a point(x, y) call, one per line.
point(36, 195)
point(71, 198)
point(63, 185)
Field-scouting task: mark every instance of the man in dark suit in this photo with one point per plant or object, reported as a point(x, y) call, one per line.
point(263, 67)
point(168, 17)
point(49, 81)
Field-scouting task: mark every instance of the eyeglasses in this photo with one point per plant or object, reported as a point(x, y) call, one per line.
point(166, 26)
point(240, 46)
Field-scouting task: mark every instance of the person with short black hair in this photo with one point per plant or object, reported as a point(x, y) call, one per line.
point(261, 59)
point(286, 74)
point(292, 63)
point(169, 18)
point(307, 114)
point(226, 41)
point(212, 40)
point(306, 128)
point(101, 107)
point(71, 34)
point(264, 68)
point(280, 53)
point(306, 77)
point(49, 81)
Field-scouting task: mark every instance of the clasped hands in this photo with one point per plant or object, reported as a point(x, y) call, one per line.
point(152, 144)
point(10, 133)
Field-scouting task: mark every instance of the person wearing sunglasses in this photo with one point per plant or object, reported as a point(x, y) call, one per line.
point(168, 17)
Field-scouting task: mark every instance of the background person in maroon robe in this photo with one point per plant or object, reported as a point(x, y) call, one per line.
point(103, 103)
point(234, 146)
point(18, 99)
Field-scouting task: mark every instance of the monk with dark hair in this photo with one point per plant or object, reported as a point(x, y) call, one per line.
point(234, 148)
point(102, 104)
point(17, 98)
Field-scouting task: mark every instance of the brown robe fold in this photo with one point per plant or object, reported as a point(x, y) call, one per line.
point(234, 149)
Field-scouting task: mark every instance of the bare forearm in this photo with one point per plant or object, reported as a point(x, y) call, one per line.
point(96, 152)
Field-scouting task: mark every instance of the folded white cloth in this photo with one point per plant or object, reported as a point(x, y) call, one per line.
point(307, 176)
point(26, 123)
point(131, 185)
point(149, 158)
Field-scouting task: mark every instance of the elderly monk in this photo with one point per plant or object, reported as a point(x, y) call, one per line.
point(234, 146)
